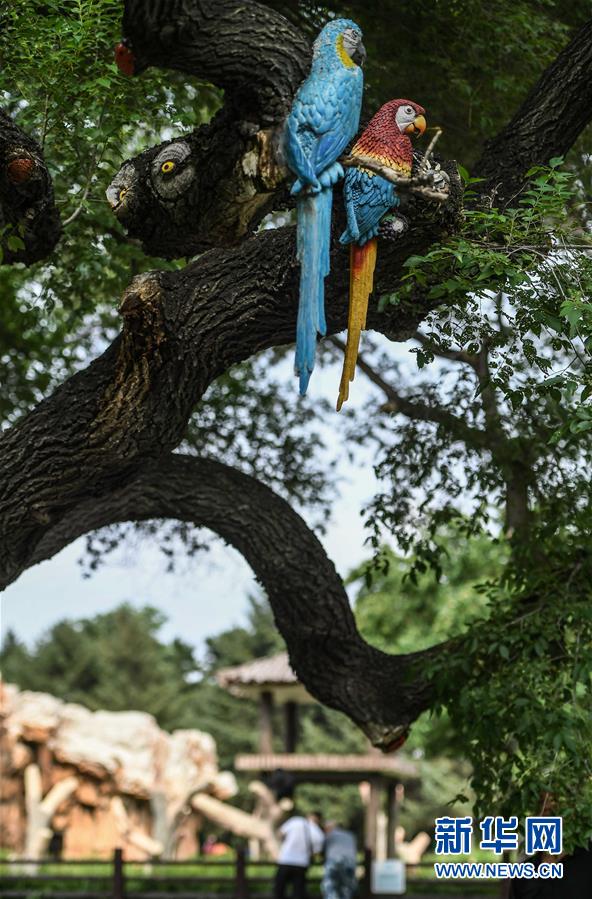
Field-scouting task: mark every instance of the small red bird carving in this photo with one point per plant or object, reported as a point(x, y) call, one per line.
point(124, 58)
point(20, 169)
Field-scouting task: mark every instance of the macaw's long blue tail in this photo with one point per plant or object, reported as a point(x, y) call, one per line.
point(314, 237)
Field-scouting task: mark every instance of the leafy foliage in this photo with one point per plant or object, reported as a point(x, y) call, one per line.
point(404, 610)
point(400, 610)
point(519, 692)
point(88, 661)
point(517, 328)
point(507, 428)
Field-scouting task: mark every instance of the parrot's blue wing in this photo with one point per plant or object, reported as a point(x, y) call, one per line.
point(367, 199)
point(299, 142)
point(341, 127)
point(323, 120)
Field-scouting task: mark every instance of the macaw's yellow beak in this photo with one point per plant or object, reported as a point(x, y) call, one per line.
point(419, 125)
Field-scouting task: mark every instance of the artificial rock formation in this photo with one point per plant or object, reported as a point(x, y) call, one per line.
point(101, 779)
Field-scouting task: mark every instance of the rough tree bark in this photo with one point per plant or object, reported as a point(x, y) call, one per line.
point(252, 52)
point(97, 450)
point(259, 59)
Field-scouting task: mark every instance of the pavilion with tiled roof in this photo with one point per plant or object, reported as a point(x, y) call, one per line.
point(272, 683)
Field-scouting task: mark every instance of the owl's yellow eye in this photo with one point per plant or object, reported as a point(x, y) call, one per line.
point(167, 167)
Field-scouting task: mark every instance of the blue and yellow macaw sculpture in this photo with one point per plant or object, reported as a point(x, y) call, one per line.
point(323, 120)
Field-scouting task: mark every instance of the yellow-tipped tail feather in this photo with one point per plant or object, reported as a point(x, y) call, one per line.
point(362, 261)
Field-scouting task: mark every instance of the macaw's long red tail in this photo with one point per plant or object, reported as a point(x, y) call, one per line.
point(362, 261)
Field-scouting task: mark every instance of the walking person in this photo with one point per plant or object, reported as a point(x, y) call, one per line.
point(339, 877)
point(301, 839)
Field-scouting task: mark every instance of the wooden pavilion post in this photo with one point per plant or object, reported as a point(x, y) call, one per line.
point(290, 726)
point(372, 810)
point(392, 816)
point(266, 722)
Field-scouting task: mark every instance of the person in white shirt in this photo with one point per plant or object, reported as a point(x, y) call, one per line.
point(301, 839)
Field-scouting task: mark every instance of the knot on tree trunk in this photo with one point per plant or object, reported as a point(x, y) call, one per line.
point(140, 303)
point(139, 360)
point(141, 309)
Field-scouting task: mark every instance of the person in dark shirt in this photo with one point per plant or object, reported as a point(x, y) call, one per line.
point(576, 882)
point(339, 878)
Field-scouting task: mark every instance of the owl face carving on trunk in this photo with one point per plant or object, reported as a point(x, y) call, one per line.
point(174, 198)
point(155, 196)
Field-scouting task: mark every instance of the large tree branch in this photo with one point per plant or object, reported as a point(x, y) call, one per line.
point(181, 330)
point(28, 214)
point(256, 55)
point(383, 694)
point(547, 124)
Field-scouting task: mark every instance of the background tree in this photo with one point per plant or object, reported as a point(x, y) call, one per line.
point(89, 662)
point(503, 300)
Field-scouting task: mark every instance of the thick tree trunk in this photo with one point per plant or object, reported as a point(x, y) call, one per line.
point(519, 477)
